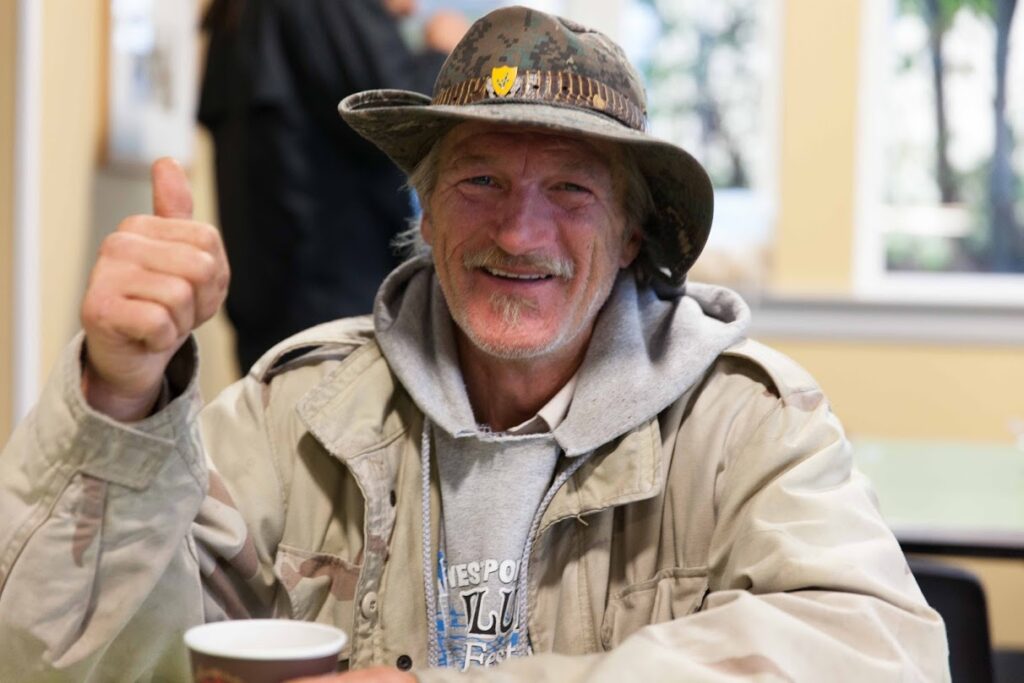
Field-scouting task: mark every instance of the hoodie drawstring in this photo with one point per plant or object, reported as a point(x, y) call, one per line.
point(433, 647)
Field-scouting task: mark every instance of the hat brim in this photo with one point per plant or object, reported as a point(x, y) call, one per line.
point(405, 125)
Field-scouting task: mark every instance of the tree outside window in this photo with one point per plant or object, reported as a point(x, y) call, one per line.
point(711, 72)
point(952, 165)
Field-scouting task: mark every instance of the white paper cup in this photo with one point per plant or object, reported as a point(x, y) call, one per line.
point(262, 650)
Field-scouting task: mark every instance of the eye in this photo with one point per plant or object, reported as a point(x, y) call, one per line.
point(481, 180)
point(571, 187)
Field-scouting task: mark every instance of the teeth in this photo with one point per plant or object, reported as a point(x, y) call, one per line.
point(516, 276)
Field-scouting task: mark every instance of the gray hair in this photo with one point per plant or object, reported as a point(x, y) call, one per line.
point(638, 204)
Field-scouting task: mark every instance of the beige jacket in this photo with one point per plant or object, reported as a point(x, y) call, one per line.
point(727, 539)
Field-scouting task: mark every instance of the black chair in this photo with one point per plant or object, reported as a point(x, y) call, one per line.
point(1009, 665)
point(957, 595)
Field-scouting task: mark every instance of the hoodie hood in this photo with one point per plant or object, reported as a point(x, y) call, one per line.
point(645, 352)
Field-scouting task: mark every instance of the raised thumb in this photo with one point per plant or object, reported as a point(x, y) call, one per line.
point(172, 196)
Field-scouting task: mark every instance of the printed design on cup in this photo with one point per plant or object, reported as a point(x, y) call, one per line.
point(214, 675)
point(477, 611)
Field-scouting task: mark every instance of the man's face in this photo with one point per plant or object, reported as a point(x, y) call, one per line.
point(528, 233)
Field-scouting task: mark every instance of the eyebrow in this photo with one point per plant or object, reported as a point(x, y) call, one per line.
point(576, 164)
point(585, 166)
point(469, 159)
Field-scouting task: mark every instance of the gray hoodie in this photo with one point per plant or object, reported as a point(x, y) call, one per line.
point(646, 350)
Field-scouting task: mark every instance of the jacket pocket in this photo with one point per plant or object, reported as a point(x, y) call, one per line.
point(320, 587)
point(671, 594)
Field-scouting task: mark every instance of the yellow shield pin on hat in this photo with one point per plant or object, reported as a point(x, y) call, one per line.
point(502, 79)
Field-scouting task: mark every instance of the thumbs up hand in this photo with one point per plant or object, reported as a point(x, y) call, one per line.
point(157, 278)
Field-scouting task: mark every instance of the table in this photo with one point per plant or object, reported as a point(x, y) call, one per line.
point(949, 498)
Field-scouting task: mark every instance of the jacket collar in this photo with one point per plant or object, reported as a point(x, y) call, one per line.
point(359, 407)
point(624, 471)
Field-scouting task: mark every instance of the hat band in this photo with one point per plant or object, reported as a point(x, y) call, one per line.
point(555, 87)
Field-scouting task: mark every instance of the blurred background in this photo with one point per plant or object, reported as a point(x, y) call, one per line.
point(869, 205)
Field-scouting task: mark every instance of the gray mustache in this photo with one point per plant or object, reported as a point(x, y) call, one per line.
point(495, 257)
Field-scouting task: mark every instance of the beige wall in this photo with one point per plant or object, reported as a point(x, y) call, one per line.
point(72, 123)
point(816, 150)
point(8, 24)
point(916, 391)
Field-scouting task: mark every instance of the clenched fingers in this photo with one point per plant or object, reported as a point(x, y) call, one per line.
point(175, 294)
point(206, 272)
point(200, 235)
point(110, 304)
point(146, 323)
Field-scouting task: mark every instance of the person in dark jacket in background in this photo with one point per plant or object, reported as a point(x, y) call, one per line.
point(308, 208)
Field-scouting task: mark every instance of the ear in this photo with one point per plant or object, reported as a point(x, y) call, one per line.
point(426, 228)
point(630, 247)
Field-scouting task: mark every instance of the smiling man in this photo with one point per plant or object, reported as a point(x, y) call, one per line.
point(545, 457)
point(529, 232)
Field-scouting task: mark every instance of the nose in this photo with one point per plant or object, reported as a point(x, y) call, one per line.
point(524, 223)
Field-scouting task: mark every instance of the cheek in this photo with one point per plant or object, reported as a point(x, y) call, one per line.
point(630, 249)
point(606, 255)
point(466, 234)
point(608, 247)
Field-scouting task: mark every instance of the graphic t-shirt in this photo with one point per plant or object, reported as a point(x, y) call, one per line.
point(491, 488)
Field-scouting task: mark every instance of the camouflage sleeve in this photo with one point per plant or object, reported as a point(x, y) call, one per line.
point(110, 547)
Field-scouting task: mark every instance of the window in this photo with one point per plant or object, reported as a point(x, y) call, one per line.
point(941, 196)
point(711, 71)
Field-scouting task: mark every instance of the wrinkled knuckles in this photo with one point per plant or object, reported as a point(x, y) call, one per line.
point(181, 297)
point(133, 224)
point(156, 329)
point(205, 268)
point(208, 238)
point(116, 245)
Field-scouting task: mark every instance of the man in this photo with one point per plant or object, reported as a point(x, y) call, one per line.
point(544, 443)
point(307, 207)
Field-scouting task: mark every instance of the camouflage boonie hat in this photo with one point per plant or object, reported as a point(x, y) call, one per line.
point(524, 67)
